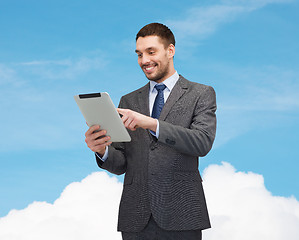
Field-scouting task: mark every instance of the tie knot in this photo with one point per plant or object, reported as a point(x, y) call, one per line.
point(160, 87)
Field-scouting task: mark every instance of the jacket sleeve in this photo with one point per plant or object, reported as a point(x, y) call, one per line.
point(197, 140)
point(116, 162)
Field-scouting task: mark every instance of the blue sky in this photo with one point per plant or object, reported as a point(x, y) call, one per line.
point(52, 50)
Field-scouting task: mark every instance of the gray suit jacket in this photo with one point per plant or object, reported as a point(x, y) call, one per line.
point(162, 176)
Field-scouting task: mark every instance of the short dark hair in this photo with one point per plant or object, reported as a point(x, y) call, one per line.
point(157, 29)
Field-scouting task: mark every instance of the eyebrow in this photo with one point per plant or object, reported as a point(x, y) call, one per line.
point(147, 49)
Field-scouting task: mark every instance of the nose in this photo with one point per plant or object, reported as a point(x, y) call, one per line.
point(145, 59)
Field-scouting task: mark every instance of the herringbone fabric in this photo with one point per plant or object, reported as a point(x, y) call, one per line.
point(161, 175)
point(159, 101)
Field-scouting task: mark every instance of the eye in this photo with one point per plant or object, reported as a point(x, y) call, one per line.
point(139, 55)
point(151, 53)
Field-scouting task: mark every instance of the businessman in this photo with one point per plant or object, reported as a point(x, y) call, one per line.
point(171, 122)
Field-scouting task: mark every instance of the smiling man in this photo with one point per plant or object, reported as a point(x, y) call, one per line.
point(155, 57)
point(171, 122)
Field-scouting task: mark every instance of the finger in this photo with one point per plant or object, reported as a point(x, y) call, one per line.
point(132, 126)
point(128, 122)
point(99, 134)
point(102, 140)
point(92, 129)
point(125, 118)
point(91, 138)
point(101, 148)
point(123, 112)
point(97, 145)
point(100, 145)
point(120, 110)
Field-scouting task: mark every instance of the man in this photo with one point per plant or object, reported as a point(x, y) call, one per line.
point(171, 122)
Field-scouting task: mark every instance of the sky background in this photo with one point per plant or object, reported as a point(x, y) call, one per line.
point(53, 50)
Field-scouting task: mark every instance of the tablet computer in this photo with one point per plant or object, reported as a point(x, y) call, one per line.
point(98, 109)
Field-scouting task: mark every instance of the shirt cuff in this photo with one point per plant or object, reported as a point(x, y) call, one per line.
point(156, 134)
point(104, 158)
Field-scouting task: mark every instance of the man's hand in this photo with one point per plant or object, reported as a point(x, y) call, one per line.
point(97, 141)
point(133, 120)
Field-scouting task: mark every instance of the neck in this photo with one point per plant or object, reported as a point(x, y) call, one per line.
point(168, 75)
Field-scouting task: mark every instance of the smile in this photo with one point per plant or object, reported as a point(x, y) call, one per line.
point(149, 69)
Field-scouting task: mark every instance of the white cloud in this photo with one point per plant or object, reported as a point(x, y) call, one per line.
point(85, 210)
point(8, 76)
point(201, 22)
point(252, 92)
point(239, 204)
point(242, 208)
point(64, 68)
point(253, 98)
point(5, 73)
point(267, 88)
point(40, 112)
point(253, 4)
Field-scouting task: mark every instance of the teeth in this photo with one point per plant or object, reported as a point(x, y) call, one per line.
point(149, 68)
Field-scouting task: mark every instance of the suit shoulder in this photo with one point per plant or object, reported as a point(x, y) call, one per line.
point(135, 92)
point(197, 86)
point(133, 97)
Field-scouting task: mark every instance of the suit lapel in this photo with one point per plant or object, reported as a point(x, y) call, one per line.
point(177, 92)
point(143, 100)
point(143, 103)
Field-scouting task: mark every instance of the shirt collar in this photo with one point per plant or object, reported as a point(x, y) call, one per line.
point(169, 82)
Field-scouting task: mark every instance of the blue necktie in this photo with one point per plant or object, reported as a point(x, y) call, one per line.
point(159, 101)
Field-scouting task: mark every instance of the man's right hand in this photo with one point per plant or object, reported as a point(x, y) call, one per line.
point(97, 140)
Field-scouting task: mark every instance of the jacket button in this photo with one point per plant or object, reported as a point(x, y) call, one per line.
point(153, 146)
point(169, 141)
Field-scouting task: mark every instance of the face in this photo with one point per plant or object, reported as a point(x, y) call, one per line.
point(155, 61)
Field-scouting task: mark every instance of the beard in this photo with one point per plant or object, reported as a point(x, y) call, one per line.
point(160, 73)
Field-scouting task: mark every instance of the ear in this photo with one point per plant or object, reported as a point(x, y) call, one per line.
point(171, 50)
